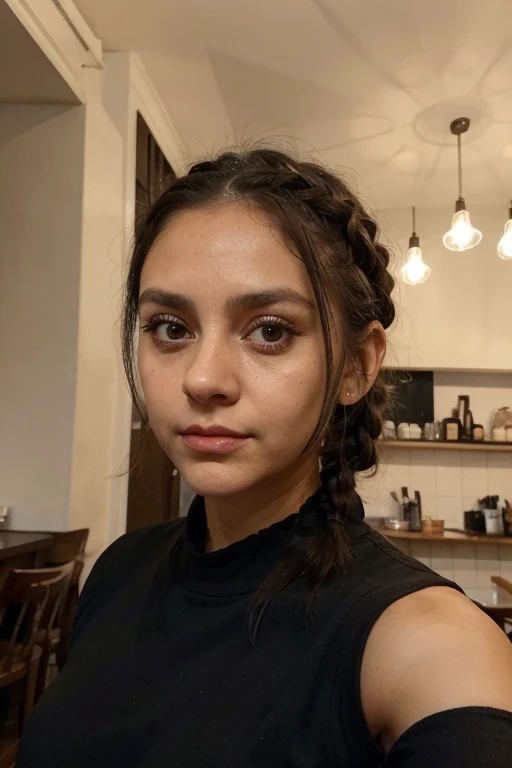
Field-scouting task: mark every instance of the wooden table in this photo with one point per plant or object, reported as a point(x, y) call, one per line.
point(21, 549)
point(15, 543)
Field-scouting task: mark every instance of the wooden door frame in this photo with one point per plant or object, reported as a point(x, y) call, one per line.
point(129, 90)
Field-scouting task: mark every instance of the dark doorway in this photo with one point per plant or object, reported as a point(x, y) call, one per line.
point(154, 484)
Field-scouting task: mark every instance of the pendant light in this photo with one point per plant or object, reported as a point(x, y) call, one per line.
point(462, 236)
point(505, 244)
point(414, 271)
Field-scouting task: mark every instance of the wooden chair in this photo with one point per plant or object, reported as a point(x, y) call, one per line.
point(503, 584)
point(67, 546)
point(49, 635)
point(27, 595)
point(500, 608)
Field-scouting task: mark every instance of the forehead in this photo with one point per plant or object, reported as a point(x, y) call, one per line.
point(230, 246)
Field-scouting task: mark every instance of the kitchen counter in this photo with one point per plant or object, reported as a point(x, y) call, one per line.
point(449, 536)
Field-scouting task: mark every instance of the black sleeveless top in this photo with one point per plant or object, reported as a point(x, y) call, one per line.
point(163, 674)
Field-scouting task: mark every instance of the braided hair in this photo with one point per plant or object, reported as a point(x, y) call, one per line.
point(325, 224)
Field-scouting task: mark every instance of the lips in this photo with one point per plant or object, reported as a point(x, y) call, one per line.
point(213, 440)
point(216, 430)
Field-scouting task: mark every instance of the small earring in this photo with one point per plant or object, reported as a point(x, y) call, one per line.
point(349, 394)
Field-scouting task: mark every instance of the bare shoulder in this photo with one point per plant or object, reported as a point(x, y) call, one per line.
point(431, 651)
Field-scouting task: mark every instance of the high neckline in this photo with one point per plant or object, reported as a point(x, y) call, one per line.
point(241, 567)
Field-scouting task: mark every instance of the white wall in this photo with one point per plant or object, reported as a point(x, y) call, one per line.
point(189, 87)
point(67, 188)
point(41, 180)
point(459, 318)
point(67, 185)
point(102, 249)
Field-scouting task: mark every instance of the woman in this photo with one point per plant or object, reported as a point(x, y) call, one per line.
point(272, 627)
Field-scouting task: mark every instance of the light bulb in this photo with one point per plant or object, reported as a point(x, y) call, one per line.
point(415, 271)
point(505, 244)
point(462, 236)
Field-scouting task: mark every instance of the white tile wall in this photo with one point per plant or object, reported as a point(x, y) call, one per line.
point(464, 565)
point(469, 565)
point(441, 558)
point(421, 551)
point(505, 555)
point(486, 559)
point(449, 482)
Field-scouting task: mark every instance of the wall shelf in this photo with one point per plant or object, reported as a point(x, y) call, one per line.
point(449, 537)
point(443, 445)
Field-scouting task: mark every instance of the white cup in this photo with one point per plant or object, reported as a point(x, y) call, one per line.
point(493, 522)
point(499, 435)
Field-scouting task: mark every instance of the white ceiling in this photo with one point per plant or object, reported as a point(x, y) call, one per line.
point(26, 74)
point(369, 85)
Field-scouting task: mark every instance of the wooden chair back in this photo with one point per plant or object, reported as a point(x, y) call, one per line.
point(503, 584)
point(29, 603)
point(58, 588)
point(68, 546)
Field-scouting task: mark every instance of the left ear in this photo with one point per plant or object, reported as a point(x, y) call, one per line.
point(359, 378)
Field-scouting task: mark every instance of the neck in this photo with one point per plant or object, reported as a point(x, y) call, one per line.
point(233, 518)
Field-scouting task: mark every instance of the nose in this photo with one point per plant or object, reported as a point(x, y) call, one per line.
point(212, 374)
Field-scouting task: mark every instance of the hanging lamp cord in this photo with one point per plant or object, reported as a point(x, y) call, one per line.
point(459, 153)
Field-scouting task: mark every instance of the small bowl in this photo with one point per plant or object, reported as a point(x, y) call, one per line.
point(396, 525)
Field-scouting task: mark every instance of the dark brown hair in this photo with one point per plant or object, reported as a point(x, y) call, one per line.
point(326, 226)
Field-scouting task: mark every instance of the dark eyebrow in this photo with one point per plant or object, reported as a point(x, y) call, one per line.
point(257, 300)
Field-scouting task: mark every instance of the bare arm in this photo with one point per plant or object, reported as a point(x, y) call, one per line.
point(432, 651)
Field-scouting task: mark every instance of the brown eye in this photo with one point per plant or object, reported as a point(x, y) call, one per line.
point(170, 332)
point(271, 332)
point(269, 335)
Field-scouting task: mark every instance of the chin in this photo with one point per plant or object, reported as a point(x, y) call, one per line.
point(218, 479)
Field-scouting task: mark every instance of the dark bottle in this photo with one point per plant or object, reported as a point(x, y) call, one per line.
point(405, 504)
point(468, 426)
point(415, 516)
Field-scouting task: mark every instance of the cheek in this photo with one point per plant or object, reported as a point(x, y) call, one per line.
point(158, 388)
point(292, 402)
point(146, 371)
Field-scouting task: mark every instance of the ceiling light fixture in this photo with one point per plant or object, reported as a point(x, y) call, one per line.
point(414, 271)
point(462, 236)
point(505, 244)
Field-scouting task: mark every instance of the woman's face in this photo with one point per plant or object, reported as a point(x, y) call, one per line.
point(230, 340)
